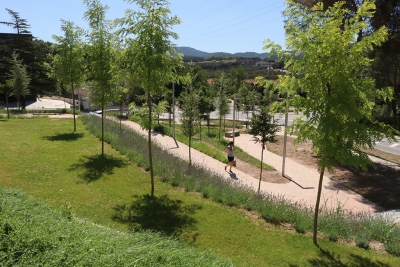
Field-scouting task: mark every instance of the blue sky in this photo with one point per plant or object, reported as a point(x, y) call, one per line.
point(207, 25)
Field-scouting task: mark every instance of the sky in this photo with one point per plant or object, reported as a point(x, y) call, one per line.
point(230, 26)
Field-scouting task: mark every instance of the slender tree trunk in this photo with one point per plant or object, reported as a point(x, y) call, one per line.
point(8, 110)
point(261, 169)
point(200, 129)
point(316, 212)
point(208, 124)
point(190, 152)
point(102, 130)
point(219, 131)
point(73, 107)
point(149, 141)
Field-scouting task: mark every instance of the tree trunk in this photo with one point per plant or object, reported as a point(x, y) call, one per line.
point(316, 212)
point(200, 129)
point(8, 110)
point(102, 130)
point(262, 157)
point(73, 107)
point(149, 141)
point(190, 153)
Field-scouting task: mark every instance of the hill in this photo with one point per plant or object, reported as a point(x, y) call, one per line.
point(188, 51)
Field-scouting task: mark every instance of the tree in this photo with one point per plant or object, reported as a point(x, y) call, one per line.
point(222, 100)
point(20, 25)
point(152, 51)
point(21, 43)
point(100, 55)
point(19, 79)
point(190, 117)
point(6, 89)
point(264, 130)
point(68, 62)
point(330, 73)
point(247, 99)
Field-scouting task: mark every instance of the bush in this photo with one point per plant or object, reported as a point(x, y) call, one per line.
point(362, 241)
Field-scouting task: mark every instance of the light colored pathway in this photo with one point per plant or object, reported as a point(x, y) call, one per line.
point(302, 189)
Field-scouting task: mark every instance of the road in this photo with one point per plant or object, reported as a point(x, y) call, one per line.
point(383, 145)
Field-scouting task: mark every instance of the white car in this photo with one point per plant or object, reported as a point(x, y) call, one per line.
point(97, 112)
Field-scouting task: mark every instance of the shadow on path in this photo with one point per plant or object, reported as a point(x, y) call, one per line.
point(94, 167)
point(161, 214)
point(64, 137)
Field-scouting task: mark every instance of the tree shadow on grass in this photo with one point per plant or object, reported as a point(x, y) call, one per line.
point(161, 214)
point(329, 259)
point(64, 137)
point(96, 166)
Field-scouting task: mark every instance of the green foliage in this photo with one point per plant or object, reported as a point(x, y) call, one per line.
point(190, 117)
point(362, 241)
point(100, 54)
point(264, 130)
point(326, 78)
point(67, 65)
point(221, 102)
point(19, 79)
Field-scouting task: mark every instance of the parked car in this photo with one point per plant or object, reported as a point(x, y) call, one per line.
point(97, 112)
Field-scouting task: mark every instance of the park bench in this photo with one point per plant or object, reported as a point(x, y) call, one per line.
point(44, 111)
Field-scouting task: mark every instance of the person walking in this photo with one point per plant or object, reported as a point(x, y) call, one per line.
point(231, 156)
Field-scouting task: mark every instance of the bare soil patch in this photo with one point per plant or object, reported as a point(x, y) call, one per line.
point(380, 184)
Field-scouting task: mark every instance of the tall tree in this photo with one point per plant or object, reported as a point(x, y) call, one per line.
point(100, 54)
point(190, 117)
point(20, 25)
point(19, 79)
point(68, 62)
point(330, 73)
point(21, 42)
point(264, 130)
point(152, 51)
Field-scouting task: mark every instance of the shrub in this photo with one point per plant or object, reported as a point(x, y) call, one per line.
point(362, 241)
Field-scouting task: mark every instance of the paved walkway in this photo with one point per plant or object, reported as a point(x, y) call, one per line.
point(302, 188)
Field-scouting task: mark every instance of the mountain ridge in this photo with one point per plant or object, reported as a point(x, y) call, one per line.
point(189, 51)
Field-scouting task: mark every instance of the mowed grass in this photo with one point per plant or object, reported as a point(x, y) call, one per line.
point(45, 159)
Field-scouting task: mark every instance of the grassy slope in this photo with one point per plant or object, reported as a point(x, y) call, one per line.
point(43, 158)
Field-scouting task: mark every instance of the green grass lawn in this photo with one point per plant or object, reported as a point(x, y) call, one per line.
point(45, 159)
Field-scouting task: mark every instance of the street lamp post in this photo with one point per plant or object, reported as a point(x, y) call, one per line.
point(285, 139)
point(173, 109)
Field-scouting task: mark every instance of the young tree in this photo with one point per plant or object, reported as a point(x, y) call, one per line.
point(190, 117)
point(100, 54)
point(329, 73)
point(264, 130)
point(152, 51)
point(247, 99)
point(68, 62)
point(19, 79)
point(222, 100)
